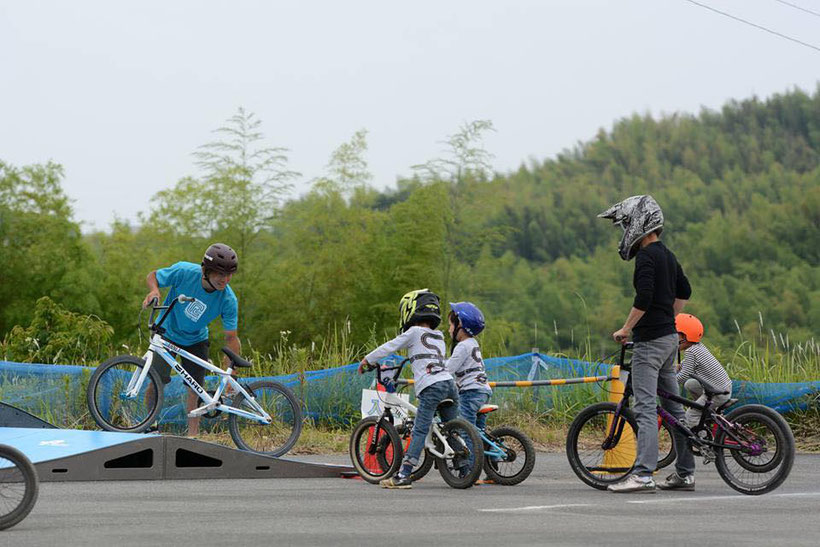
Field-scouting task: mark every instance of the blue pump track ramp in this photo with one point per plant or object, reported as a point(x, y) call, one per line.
point(74, 455)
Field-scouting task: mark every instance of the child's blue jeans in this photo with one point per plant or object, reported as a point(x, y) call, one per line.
point(429, 399)
point(469, 402)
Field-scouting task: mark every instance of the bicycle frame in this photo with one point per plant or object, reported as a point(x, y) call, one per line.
point(707, 414)
point(163, 348)
point(493, 450)
point(391, 401)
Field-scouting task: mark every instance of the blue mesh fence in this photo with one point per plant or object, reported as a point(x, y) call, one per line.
point(332, 396)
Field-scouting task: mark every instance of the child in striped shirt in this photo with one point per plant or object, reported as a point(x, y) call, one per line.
point(465, 363)
point(699, 364)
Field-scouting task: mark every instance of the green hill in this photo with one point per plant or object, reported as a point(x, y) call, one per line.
point(740, 189)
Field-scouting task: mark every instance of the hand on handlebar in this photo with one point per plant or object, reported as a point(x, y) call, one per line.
point(621, 335)
point(152, 299)
point(364, 366)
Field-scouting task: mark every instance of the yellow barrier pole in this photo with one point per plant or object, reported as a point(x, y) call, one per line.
point(623, 454)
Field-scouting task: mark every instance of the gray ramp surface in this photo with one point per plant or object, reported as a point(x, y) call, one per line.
point(74, 455)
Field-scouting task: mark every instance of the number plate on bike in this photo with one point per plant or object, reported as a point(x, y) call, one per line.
point(373, 404)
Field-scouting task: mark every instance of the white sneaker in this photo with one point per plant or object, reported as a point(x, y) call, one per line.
point(633, 483)
point(676, 482)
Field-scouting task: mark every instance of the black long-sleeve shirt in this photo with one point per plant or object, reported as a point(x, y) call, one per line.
point(658, 281)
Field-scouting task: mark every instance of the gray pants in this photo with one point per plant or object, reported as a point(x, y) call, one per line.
point(696, 390)
point(653, 367)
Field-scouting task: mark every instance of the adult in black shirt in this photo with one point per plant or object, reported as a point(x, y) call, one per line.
point(661, 291)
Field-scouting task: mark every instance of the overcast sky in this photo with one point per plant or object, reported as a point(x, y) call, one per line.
point(121, 93)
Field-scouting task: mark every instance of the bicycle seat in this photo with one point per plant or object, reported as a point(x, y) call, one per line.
point(486, 409)
point(709, 388)
point(445, 403)
point(236, 360)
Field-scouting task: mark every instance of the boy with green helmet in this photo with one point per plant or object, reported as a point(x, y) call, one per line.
point(420, 314)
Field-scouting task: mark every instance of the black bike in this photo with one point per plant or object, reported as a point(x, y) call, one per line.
point(19, 486)
point(752, 446)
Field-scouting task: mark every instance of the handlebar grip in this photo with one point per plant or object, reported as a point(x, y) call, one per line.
point(153, 302)
point(182, 298)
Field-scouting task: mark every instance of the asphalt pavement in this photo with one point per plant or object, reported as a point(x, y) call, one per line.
point(551, 508)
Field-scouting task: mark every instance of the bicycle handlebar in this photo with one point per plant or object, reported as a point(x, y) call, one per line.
point(157, 326)
point(624, 348)
point(380, 369)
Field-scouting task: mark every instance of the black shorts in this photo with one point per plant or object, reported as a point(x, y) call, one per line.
point(200, 349)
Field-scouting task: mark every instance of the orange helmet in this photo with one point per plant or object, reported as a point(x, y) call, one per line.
point(690, 326)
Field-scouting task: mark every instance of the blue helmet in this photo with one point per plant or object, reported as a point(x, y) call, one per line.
point(469, 317)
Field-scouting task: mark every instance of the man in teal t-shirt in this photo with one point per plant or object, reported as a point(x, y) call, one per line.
point(187, 325)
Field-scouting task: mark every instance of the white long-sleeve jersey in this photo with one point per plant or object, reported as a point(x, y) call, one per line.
point(425, 349)
point(467, 366)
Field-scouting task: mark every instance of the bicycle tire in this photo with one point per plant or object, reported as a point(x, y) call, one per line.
point(424, 466)
point(665, 460)
point(585, 467)
point(278, 437)
point(755, 467)
point(784, 452)
point(494, 468)
point(22, 472)
point(104, 378)
point(362, 432)
point(454, 476)
point(420, 470)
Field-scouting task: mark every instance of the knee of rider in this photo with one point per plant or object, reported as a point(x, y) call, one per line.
point(693, 387)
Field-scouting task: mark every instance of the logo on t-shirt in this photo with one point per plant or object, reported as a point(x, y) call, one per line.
point(195, 310)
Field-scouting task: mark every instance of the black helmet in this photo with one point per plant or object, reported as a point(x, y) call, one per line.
point(220, 258)
point(418, 306)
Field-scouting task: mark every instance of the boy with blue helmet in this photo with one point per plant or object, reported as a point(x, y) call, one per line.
point(466, 364)
point(420, 314)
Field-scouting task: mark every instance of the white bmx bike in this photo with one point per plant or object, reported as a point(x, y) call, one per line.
point(125, 394)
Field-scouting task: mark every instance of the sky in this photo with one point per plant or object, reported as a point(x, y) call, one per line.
point(121, 93)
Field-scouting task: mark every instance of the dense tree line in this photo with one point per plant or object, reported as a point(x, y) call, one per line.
point(740, 189)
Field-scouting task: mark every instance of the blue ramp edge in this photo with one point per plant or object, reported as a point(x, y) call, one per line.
point(42, 445)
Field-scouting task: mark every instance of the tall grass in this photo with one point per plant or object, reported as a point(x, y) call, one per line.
point(770, 363)
point(333, 401)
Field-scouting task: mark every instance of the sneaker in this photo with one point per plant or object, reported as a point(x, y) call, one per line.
point(397, 482)
point(676, 482)
point(633, 483)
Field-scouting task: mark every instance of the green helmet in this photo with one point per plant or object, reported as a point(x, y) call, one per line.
point(417, 306)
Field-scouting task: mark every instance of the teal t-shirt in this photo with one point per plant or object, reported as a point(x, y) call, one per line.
point(188, 322)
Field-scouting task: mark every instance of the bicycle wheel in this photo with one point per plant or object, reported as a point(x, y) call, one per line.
point(378, 462)
point(424, 466)
point(464, 468)
point(666, 446)
point(766, 460)
point(419, 471)
point(276, 438)
point(520, 459)
point(19, 486)
point(107, 400)
point(587, 457)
